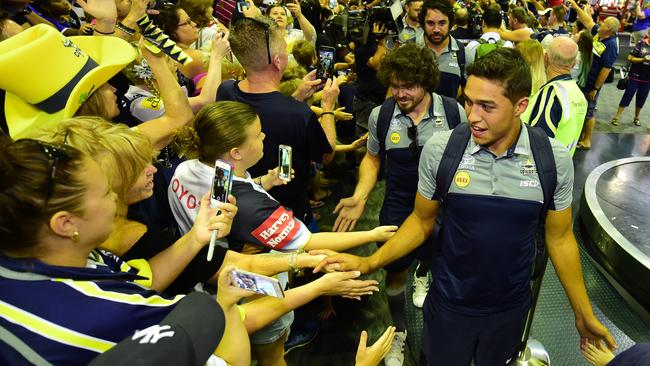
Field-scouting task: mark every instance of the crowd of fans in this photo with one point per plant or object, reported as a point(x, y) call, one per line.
point(113, 113)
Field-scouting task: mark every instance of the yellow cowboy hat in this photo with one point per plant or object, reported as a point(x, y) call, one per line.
point(47, 76)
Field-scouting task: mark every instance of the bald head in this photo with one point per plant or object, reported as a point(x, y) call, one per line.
point(461, 17)
point(562, 52)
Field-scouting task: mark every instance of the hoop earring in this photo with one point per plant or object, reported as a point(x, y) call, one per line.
point(75, 236)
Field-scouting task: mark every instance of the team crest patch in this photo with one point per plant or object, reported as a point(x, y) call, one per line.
point(462, 179)
point(395, 124)
point(395, 138)
point(528, 168)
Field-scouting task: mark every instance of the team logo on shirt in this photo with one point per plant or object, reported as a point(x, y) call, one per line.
point(462, 179)
point(528, 168)
point(151, 103)
point(395, 137)
point(467, 163)
point(395, 124)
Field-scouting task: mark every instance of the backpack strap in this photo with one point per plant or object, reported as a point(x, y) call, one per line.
point(547, 172)
point(545, 162)
point(452, 114)
point(460, 56)
point(383, 123)
point(450, 159)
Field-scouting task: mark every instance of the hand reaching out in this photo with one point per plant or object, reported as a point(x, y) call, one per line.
point(372, 356)
point(104, 10)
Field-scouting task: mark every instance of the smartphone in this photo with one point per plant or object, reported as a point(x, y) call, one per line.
point(256, 283)
point(241, 5)
point(284, 161)
point(222, 181)
point(325, 65)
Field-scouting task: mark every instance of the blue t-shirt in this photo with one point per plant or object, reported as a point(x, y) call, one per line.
point(605, 53)
point(641, 24)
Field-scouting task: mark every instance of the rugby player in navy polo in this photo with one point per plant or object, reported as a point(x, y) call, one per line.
point(480, 294)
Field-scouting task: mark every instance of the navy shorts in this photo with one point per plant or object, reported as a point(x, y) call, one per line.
point(453, 339)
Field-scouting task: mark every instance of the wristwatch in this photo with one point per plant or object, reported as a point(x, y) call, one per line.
point(27, 10)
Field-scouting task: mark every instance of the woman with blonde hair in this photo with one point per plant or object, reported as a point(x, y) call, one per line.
point(533, 53)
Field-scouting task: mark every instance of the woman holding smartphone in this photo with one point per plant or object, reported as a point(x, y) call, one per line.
point(56, 209)
point(231, 131)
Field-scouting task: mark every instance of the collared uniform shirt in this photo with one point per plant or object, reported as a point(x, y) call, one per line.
point(451, 75)
point(492, 212)
point(67, 315)
point(401, 165)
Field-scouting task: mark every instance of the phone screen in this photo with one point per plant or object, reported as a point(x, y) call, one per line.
point(325, 62)
point(222, 181)
point(241, 5)
point(256, 283)
point(285, 162)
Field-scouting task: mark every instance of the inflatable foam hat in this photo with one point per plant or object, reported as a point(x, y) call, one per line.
point(161, 41)
point(46, 76)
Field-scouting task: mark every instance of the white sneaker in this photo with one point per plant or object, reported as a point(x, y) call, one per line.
point(420, 289)
point(395, 356)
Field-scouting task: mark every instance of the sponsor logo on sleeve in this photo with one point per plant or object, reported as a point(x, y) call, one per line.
point(278, 230)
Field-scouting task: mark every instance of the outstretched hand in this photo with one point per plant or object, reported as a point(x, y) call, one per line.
point(372, 356)
point(592, 331)
point(105, 10)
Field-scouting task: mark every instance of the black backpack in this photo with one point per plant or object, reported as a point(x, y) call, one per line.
point(546, 170)
point(449, 105)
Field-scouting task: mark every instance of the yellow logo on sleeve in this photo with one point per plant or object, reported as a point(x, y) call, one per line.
point(395, 137)
point(151, 103)
point(462, 179)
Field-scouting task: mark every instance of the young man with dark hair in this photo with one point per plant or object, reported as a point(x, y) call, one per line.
point(397, 131)
point(437, 18)
point(496, 195)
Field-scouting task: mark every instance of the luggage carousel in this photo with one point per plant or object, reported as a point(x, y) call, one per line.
point(615, 223)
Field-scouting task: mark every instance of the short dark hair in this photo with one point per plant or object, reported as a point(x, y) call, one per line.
point(507, 67)
point(492, 16)
point(167, 19)
point(441, 5)
point(411, 64)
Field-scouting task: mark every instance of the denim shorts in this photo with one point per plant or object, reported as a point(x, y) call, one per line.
point(273, 331)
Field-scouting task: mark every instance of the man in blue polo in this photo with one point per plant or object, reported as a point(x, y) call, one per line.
point(480, 294)
point(437, 18)
point(395, 140)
